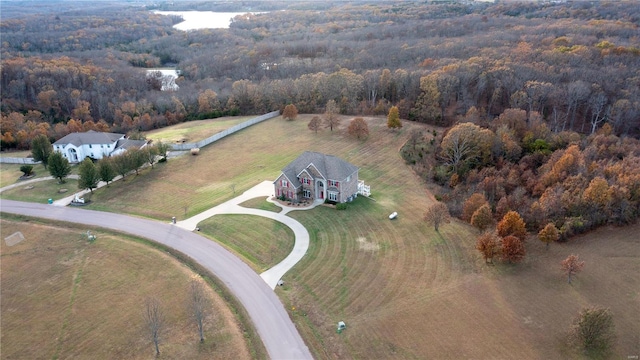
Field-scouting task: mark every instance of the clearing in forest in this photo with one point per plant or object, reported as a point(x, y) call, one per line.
point(403, 290)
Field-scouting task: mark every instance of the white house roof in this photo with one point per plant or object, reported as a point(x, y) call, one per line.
point(89, 137)
point(329, 166)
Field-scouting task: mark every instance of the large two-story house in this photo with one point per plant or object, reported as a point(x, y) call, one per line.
point(314, 176)
point(75, 147)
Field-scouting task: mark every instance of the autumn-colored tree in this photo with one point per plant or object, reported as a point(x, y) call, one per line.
point(314, 124)
point(571, 162)
point(290, 112)
point(549, 234)
point(393, 119)
point(331, 118)
point(207, 101)
point(512, 249)
point(427, 108)
point(515, 120)
point(358, 128)
point(488, 244)
point(571, 266)
point(473, 203)
point(597, 194)
point(437, 214)
point(512, 225)
point(82, 111)
point(483, 217)
point(466, 145)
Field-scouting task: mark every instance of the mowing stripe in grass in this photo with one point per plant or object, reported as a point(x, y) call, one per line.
point(65, 322)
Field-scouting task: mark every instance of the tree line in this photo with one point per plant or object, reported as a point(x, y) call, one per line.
point(559, 184)
point(572, 63)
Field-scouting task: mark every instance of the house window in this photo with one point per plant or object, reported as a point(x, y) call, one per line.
point(284, 183)
point(333, 196)
point(89, 146)
point(306, 193)
point(333, 183)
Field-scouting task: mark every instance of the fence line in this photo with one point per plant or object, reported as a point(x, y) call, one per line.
point(12, 160)
point(229, 131)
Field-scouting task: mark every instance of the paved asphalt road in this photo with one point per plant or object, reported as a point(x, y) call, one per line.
point(272, 322)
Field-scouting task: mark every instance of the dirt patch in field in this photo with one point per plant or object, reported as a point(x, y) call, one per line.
point(367, 245)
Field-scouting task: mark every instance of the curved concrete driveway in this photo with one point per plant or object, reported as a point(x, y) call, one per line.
point(264, 189)
point(277, 331)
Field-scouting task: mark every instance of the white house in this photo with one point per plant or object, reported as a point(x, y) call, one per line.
point(95, 145)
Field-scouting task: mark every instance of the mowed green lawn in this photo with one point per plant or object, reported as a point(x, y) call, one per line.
point(10, 173)
point(261, 242)
point(403, 290)
point(194, 131)
point(42, 191)
point(63, 297)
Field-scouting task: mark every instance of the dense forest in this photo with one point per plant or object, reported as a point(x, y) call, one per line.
point(577, 64)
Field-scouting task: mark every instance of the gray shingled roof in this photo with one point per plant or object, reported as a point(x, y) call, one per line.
point(331, 167)
point(129, 144)
point(89, 137)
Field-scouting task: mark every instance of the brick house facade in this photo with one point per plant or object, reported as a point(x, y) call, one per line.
point(313, 176)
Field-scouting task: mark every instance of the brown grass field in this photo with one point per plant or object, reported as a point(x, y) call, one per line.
point(403, 290)
point(63, 297)
point(194, 131)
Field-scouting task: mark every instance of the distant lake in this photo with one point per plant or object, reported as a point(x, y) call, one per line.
point(169, 77)
point(194, 20)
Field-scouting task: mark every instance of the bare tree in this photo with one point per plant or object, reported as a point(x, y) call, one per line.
point(437, 214)
point(199, 305)
point(331, 118)
point(314, 124)
point(155, 321)
point(358, 128)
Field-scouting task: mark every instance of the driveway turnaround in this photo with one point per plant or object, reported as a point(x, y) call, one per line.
point(264, 189)
point(275, 328)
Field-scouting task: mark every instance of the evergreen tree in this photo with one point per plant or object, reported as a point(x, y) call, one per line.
point(59, 166)
point(106, 170)
point(41, 149)
point(89, 176)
